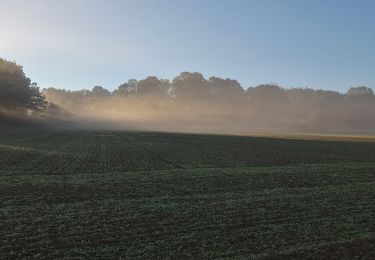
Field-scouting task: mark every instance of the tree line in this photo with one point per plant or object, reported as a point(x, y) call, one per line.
point(194, 88)
point(190, 95)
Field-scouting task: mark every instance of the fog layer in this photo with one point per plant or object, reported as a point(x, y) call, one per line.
point(189, 102)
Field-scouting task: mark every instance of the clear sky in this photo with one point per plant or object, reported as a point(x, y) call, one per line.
point(75, 44)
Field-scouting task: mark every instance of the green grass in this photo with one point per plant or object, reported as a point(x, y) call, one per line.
point(158, 195)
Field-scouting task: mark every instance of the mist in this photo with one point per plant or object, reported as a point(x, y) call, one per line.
point(191, 103)
point(187, 103)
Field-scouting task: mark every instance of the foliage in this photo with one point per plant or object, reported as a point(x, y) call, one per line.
point(99, 92)
point(197, 100)
point(17, 90)
point(360, 92)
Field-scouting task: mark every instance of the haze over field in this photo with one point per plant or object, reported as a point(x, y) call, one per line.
point(196, 129)
point(189, 102)
point(192, 103)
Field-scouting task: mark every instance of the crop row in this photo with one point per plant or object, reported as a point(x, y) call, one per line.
point(181, 219)
point(89, 152)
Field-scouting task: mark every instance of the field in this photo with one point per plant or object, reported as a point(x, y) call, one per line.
point(101, 194)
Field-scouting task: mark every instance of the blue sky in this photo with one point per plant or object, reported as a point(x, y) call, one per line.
point(77, 44)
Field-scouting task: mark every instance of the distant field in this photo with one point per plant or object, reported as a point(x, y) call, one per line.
point(319, 137)
point(174, 196)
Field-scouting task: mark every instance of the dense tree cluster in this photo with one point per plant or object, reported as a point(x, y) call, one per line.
point(265, 106)
point(17, 90)
point(190, 98)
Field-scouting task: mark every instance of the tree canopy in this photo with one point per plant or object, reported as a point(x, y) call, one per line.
point(190, 96)
point(17, 90)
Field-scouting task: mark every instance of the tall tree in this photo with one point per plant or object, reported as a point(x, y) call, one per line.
point(17, 90)
point(127, 88)
point(150, 86)
point(270, 93)
point(99, 92)
point(227, 90)
point(190, 86)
